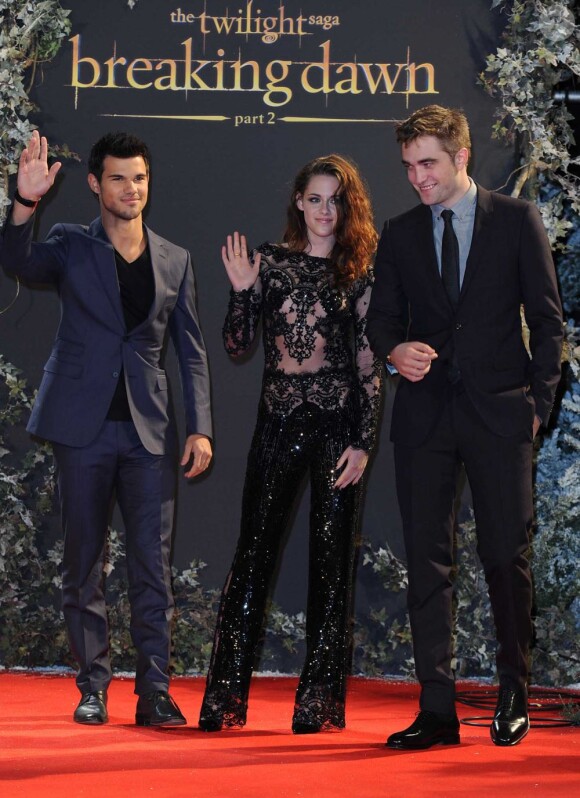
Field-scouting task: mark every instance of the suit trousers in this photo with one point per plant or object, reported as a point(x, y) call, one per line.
point(499, 470)
point(89, 477)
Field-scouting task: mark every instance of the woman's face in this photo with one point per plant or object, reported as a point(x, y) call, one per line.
point(319, 205)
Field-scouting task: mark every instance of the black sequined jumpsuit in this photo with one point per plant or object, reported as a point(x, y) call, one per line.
point(320, 394)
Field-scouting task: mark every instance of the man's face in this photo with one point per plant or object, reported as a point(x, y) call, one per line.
point(437, 178)
point(123, 188)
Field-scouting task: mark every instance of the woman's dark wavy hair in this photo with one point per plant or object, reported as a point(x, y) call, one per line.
point(356, 237)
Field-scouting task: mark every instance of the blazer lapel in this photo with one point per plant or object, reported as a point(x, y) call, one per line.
point(106, 268)
point(479, 241)
point(160, 265)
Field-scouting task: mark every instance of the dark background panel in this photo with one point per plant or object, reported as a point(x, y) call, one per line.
point(210, 178)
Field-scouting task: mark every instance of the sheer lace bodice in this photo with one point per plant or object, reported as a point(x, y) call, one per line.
point(315, 345)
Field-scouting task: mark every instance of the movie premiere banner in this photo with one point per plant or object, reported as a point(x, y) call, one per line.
point(233, 98)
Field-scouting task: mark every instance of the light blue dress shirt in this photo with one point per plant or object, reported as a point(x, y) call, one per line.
point(463, 220)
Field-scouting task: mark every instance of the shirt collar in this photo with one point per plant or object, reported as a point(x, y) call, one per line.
point(461, 208)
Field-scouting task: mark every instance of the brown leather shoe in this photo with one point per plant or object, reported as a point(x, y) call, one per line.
point(92, 708)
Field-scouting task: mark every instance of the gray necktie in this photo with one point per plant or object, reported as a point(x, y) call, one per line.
point(450, 259)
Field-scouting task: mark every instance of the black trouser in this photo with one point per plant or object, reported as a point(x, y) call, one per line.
point(499, 470)
point(283, 450)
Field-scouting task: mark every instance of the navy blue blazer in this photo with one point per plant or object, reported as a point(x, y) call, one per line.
point(509, 265)
point(93, 348)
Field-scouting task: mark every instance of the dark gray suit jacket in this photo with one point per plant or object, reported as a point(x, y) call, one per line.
point(93, 348)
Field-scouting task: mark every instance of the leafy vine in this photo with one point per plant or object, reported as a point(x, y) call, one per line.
point(541, 53)
point(31, 33)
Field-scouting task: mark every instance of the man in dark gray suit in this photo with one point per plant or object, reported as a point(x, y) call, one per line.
point(104, 405)
point(451, 277)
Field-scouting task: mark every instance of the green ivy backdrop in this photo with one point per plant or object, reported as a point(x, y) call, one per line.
point(539, 52)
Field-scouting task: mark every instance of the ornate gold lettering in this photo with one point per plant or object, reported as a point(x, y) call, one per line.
point(383, 76)
point(324, 67)
point(274, 86)
point(237, 67)
point(348, 85)
point(165, 82)
point(77, 61)
point(275, 79)
point(430, 70)
point(192, 73)
point(133, 67)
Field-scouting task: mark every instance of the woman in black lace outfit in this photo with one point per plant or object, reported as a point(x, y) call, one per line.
point(317, 414)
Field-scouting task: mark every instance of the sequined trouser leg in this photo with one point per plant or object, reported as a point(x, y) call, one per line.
point(283, 450)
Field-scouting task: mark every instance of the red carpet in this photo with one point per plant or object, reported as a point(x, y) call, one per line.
point(43, 753)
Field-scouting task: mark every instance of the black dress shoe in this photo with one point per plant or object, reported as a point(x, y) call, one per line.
point(428, 729)
point(158, 709)
point(511, 722)
point(92, 708)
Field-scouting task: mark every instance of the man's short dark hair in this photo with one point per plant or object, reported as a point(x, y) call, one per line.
point(118, 145)
point(449, 125)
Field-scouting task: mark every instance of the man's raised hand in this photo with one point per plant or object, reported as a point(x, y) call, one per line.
point(34, 176)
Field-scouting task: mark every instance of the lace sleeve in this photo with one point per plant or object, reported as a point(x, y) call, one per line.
point(242, 318)
point(368, 369)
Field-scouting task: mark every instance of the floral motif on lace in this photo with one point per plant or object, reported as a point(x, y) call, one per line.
point(222, 709)
point(317, 708)
point(314, 336)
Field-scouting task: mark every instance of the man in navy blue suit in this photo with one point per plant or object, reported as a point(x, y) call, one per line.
point(104, 405)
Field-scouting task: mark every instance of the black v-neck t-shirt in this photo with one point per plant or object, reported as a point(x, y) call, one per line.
point(137, 290)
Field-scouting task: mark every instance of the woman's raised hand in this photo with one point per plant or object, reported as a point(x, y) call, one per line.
point(241, 272)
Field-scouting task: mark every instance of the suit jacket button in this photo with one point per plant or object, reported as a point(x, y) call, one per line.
point(458, 326)
point(115, 374)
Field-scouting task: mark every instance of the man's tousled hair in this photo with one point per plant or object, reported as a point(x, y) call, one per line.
point(449, 125)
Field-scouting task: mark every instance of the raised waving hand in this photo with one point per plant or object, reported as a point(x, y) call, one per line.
point(34, 176)
point(241, 272)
